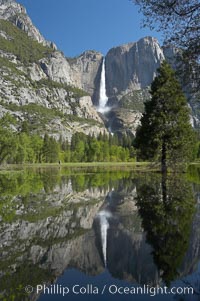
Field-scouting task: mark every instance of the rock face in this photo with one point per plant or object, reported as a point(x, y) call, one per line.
point(57, 68)
point(123, 120)
point(44, 80)
point(14, 12)
point(86, 72)
point(77, 110)
point(132, 66)
point(130, 70)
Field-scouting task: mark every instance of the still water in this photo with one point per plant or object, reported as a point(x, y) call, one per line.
point(99, 234)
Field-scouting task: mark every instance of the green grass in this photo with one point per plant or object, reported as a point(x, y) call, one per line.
point(144, 166)
point(104, 165)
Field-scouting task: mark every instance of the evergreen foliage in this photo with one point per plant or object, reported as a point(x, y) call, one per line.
point(165, 133)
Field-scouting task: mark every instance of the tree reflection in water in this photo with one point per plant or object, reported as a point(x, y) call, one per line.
point(48, 212)
point(166, 206)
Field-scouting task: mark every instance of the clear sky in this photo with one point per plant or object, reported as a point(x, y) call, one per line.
point(79, 25)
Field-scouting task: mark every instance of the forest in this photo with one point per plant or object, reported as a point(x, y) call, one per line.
point(25, 147)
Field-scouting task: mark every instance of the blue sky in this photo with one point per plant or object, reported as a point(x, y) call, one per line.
point(79, 25)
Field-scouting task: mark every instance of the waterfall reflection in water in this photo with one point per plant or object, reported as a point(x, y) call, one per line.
point(103, 217)
point(47, 232)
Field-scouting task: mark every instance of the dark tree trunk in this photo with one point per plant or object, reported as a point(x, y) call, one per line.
point(163, 158)
point(164, 187)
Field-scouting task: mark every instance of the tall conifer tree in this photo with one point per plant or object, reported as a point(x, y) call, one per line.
point(165, 133)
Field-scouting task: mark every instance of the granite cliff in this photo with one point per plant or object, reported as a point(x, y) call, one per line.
point(130, 70)
point(14, 12)
point(69, 87)
point(132, 66)
point(37, 82)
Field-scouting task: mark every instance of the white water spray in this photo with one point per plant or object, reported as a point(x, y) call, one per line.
point(104, 226)
point(103, 99)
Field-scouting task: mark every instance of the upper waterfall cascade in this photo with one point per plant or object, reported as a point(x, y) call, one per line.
point(103, 99)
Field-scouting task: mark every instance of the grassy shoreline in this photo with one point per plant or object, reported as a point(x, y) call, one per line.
point(134, 165)
point(137, 166)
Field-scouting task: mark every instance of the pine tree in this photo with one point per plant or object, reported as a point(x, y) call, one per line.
point(165, 133)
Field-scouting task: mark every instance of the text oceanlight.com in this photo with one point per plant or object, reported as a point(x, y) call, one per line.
point(112, 289)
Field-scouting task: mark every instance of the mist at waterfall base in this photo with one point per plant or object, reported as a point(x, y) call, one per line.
point(103, 99)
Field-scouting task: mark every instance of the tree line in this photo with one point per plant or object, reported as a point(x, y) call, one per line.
point(25, 147)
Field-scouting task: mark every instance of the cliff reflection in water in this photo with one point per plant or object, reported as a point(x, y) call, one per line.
point(136, 226)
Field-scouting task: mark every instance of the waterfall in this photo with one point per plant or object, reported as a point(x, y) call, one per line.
point(104, 226)
point(102, 108)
